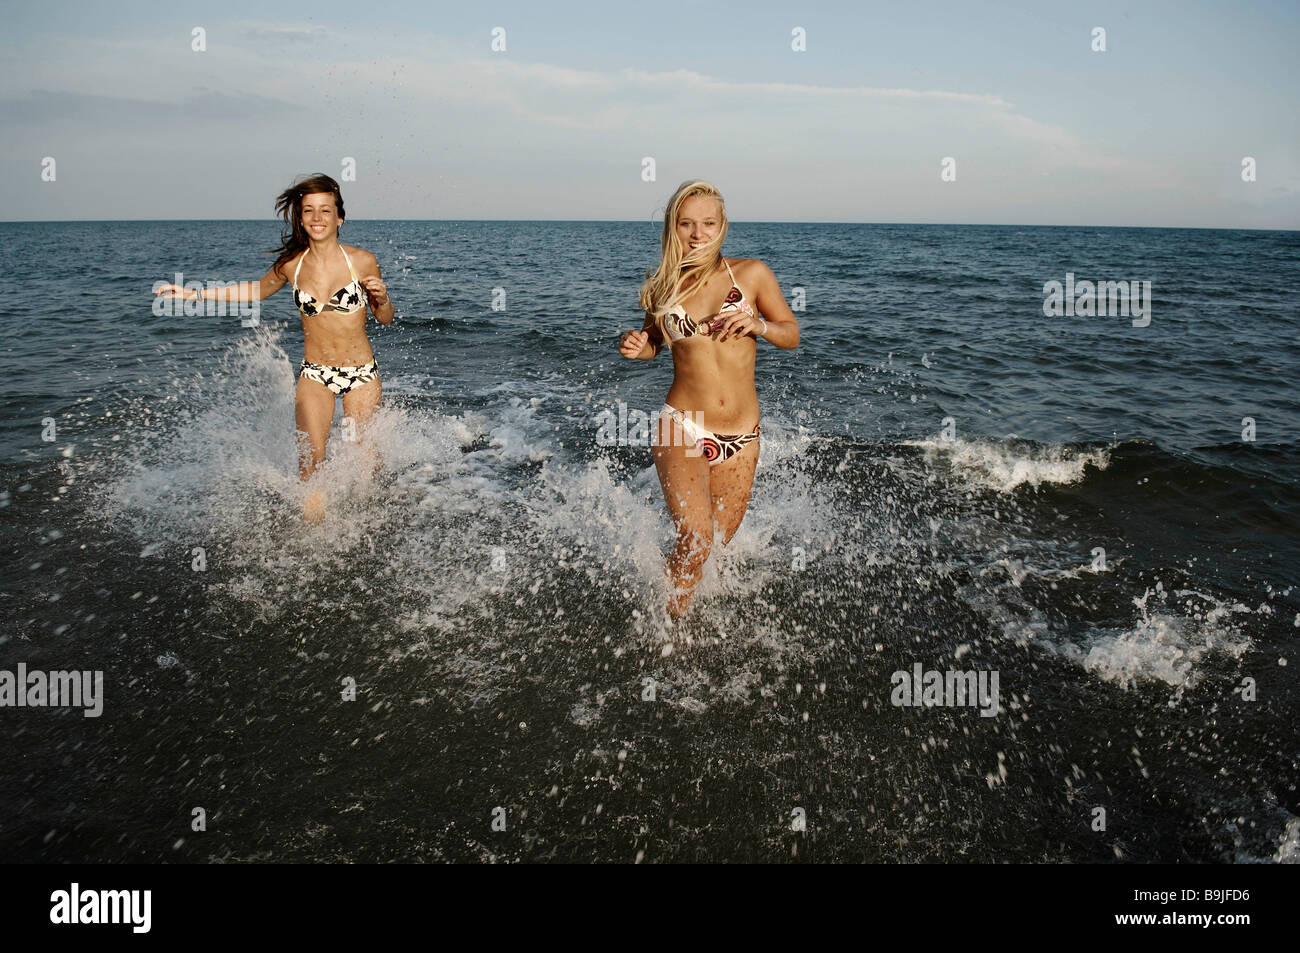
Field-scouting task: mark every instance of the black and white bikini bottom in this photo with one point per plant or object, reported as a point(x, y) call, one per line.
point(341, 379)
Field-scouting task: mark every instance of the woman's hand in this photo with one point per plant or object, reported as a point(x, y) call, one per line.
point(377, 290)
point(632, 343)
point(179, 291)
point(740, 323)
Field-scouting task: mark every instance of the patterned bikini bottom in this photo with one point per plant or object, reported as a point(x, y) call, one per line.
point(340, 379)
point(714, 447)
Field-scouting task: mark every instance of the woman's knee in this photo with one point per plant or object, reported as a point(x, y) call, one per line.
point(311, 449)
point(694, 539)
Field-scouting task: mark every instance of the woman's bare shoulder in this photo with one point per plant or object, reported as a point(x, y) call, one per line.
point(753, 268)
point(360, 255)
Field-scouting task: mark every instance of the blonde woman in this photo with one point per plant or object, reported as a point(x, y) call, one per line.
point(338, 360)
point(710, 311)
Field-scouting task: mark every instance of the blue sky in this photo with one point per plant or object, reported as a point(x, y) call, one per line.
point(1043, 129)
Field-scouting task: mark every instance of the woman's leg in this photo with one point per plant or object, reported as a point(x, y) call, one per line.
point(730, 483)
point(360, 404)
point(685, 482)
point(313, 409)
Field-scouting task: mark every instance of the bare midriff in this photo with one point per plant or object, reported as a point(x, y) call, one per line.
point(716, 379)
point(336, 338)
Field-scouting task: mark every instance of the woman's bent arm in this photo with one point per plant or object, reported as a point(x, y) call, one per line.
point(782, 326)
point(381, 306)
point(644, 344)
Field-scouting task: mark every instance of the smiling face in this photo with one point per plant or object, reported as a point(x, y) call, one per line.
point(699, 222)
point(320, 216)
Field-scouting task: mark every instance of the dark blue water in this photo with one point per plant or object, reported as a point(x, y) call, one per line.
point(941, 463)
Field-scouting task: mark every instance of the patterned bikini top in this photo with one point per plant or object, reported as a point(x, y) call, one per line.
point(676, 324)
point(351, 297)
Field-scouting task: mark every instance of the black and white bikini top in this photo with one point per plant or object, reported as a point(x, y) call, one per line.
point(351, 297)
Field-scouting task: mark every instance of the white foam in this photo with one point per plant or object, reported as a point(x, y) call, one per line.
point(1288, 848)
point(1169, 644)
point(1170, 640)
point(1164, 648)
point(1004, 467)
point(1248, 845)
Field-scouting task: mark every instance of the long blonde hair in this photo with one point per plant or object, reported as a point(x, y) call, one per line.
point(670, 282)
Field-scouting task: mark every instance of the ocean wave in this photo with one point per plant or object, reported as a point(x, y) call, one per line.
point(1007, 465)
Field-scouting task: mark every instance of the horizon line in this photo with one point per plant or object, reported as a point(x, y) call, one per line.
point(654, 222)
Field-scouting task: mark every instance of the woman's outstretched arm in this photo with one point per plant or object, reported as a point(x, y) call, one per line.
point(270, 283)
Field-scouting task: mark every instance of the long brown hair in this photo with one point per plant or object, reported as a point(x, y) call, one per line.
point(293, 238)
